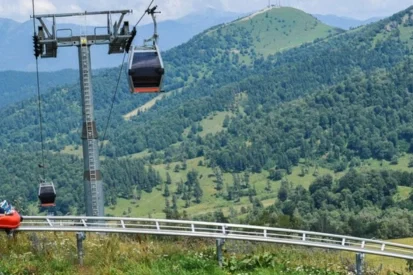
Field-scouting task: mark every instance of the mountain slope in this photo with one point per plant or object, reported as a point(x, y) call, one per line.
point(267, 83)
point(241, 43)
point(366, 113)
point(271, 30)
point(184, 67)
point(255, 136)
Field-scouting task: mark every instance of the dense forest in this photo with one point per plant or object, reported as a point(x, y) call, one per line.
point(332, 100)
point(358, 204)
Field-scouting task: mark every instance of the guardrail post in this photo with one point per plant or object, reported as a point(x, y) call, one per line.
point(80, 236)
point(359, 263)
point(220, 243)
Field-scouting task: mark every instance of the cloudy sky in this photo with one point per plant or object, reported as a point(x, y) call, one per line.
point(20, 10)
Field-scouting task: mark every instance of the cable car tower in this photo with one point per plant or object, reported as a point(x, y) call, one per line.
point(119, 39)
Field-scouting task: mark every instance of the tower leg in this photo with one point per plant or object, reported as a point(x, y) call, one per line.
point(80, 236)
point(93, 185)
point(219, 243)
point(359, 263)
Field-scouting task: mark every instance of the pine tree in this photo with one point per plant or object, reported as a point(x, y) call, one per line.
point(268, 187)
point(174, 202)
point(236, 182)
point(410, 162)
point(158, 178)
point(246, 180)
point(167, 209)
point(166, 191)
point(219, 179)
point(168, 179)
point(175, 212)
point(198, 192)
point(187, 202)
point(180, 188)
point(236, 187)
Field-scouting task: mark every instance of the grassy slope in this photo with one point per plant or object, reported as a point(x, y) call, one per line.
point(153, 203)
point(290, 26)
point(270, 31)
point(276, 29)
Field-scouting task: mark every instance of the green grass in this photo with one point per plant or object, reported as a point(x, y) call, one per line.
point(55, 253)
point(213, 124)
point(403, 193)
point(406, 32)
point(153, 203)
point(73, 150)
point(276, 30)
point(139, 155)
point(402, 164)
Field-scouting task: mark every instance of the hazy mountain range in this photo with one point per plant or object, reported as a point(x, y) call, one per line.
point(344, 22)
point(17, 48)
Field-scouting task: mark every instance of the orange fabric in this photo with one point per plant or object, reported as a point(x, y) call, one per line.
point(47, 204)
point(10, 221)
point(146, 90)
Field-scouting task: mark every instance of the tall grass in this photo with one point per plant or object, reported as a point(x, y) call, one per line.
point(56, 253)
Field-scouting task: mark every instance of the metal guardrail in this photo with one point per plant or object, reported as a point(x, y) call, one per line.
point(215, 230)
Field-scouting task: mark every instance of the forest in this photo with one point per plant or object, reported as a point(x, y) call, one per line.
point(333, 101)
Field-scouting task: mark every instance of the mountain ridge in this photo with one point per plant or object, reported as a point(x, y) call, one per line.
point(19, 45)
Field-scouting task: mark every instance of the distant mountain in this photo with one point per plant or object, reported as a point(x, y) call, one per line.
point(17, 86)
point(16, 41)
point(344, 22)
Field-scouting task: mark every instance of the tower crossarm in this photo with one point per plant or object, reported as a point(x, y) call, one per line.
point(117, 36)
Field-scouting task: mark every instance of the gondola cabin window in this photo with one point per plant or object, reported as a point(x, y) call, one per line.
point(145, 71)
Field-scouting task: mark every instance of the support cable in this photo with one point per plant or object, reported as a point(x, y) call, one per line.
point(37, 53)
point(113, 102)
point(117, 84)
point(149, 6)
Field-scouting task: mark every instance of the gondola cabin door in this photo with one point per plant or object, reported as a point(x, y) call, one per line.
point(146, 70)
point(47, 194)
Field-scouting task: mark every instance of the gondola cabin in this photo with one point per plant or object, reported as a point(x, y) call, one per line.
point(47, 194)
point(146, 70)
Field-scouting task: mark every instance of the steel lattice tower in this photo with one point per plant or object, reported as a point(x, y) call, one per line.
point(119, 40)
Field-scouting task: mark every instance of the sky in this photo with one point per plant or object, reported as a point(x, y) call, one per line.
point(20, 10)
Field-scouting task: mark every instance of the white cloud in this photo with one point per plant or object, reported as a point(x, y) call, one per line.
point(20, 10)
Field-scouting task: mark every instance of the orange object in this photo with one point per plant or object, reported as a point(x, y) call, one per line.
point(48, 204)
point(146, 90)
point(10, 221)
